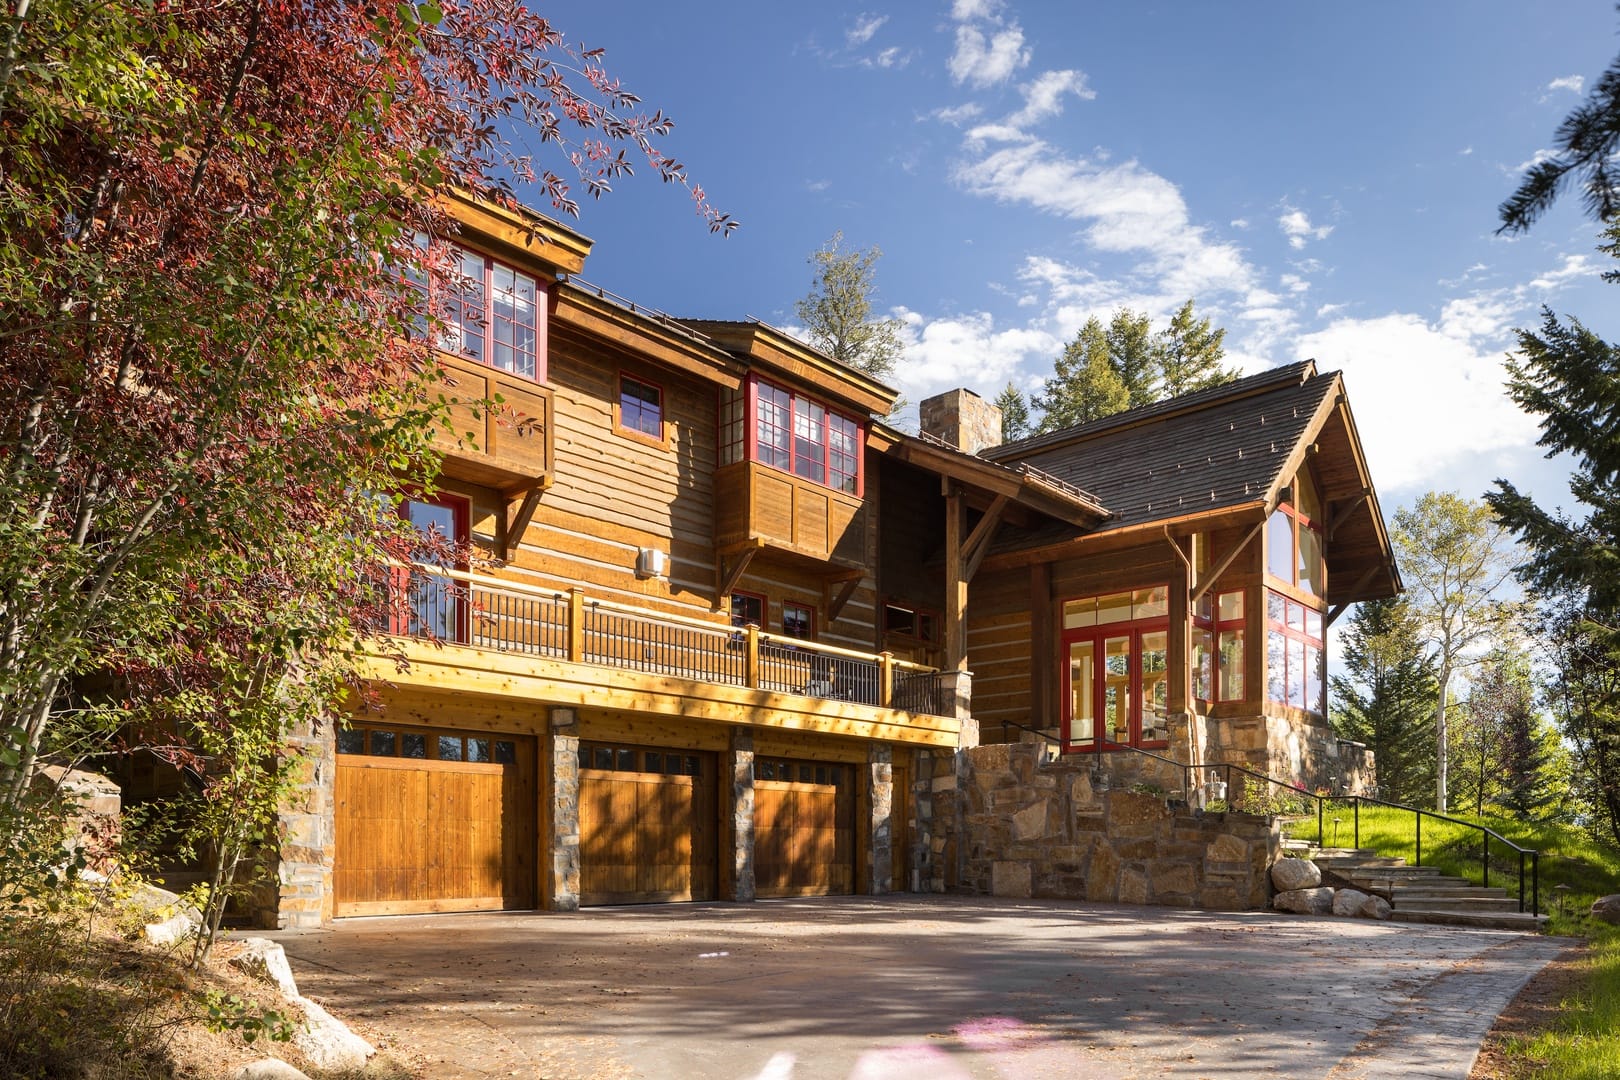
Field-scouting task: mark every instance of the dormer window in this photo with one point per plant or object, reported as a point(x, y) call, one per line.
point(791, 432)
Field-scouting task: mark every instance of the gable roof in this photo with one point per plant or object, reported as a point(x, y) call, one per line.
point(1230, 449)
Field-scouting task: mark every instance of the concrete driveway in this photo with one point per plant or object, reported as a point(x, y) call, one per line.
point(913, 986)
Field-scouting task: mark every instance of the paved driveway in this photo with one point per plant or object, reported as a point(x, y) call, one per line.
point(926, 987)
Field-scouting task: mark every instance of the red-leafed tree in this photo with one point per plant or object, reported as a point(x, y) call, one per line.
point(204, 358)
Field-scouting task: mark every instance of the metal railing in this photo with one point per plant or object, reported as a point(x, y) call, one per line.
point(1292, 797)
point(458, 607)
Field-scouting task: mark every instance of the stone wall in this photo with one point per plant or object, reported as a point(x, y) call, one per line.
point(303, 896)
point(1034, 827)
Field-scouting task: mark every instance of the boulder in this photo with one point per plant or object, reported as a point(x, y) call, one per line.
point(1291, 874)
point(1347, 902)
point(266, 961)
point(1304, 901)
point(328, 1042)
point(1607, 908)
point(1375, 907)
point(268, 1069)
point(173, 930)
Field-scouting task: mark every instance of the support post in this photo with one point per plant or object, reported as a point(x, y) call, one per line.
point(956, 585)
point(880, 770)
point(576, 624)
point(562, 787)
point(739, 871)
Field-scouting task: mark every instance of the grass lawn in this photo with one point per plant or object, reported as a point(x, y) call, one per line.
point(1583, 1041)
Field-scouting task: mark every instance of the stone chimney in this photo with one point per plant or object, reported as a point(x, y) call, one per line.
point(961, 418)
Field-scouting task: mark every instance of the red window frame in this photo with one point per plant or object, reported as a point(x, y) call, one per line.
point(1210, 623)
point(773, 432)
point(1290, 644)
point(1298, 522)
point(635, 421)
point(1134, 631)
point(759, 598)
point(423, 594)
point(809, 613)
point(471, 299)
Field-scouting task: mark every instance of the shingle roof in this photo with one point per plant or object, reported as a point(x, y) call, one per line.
point(1210, 450)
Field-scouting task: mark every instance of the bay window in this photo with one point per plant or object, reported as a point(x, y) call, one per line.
point(490, 311)
point(786, 430)
point(1116, 660)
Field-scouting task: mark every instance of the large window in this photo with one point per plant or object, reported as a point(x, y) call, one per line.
point(1218, 648)
point(490, 311)
point(1294, 539)
point(790, 432)
point(1116, 653)
point(1295, 659)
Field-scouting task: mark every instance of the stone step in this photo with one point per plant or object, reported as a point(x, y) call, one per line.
point(1456, 903)
point(1474, 920)
point(1436, 883)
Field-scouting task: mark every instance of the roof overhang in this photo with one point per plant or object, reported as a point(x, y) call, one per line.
point(770, 349)
point(1021, 484)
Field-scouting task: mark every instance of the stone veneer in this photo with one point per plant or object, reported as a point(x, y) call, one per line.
point(961, 418)
point(303, 896)
point(562, 796)
point(738, 882)
point(1033, 827)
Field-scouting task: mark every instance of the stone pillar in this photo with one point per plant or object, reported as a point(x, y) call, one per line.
point(880, 769)
point(738, 871)
point(957, 686)
point(562, 789)
point(934, 795)
point(303, 897)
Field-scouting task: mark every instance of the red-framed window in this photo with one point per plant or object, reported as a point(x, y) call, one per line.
point(434, 606)
point(1294, 549)
point(907, 620)
point(798, 620)
point(640, 408)
point(1296, 661)
point(791, 432)
point(493, 313)
point(1115, 651)
point(1219, 648)
point(748, 609)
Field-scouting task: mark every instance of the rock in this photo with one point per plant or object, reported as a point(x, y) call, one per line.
point(1304, 901)
point(1375, 907)
point(1348, 902)
point(161, 902)
point(1291, 874)
point(266, 961)
point(1607, 908)
point(268, 1069)
point(173, 930)
point(328, 1042)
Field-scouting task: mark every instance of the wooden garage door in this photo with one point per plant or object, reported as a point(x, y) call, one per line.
point(647, 825)
point(804, 835)
point(433, 821)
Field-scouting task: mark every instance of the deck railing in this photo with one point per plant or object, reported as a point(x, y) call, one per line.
point(458, 607)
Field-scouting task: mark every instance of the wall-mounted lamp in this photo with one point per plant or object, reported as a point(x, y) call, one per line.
point(651, 563)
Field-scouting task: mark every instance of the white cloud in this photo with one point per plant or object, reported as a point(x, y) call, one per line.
point(1573, 268)
point(1573, 83)
point(817, 185)
point(865, 26)
point(892, 57)
point(1296, 225)
point(1465, 151)
point(1428, 399)
point(967, 350)
point(963, 10)
point(957, 115)
point(1328, 310)
point(1240, 223)
point(1294, 283)
point(1525, 166)
point(1043, 98)
point(982, 61)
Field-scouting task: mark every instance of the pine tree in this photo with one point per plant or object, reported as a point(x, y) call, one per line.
point(1084, 385)
point(837, 313)
point(1503, 700)
point(1387, 698)
point(1190, 355)
point(1133, 353)
point(1014, 413)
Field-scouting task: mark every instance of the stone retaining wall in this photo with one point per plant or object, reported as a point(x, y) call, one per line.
point(1039, 828)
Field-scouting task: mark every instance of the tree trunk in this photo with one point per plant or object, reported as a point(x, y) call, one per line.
point(1440, 739)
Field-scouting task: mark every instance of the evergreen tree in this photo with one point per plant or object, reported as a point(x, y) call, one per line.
point(837, 313)
point(1084, 385)
point(1190, 355)
point(1386, 700)
point(1014, 413)
point(1511, 762)
point(1133, 353)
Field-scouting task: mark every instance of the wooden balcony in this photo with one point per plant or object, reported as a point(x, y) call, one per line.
point(480, 635)
point(758, 506)
point(508, 448)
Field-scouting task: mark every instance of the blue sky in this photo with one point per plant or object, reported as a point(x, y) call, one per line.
point(1321, 179)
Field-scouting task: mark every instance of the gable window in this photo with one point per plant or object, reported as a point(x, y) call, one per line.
point(1116, 657)
point(491, 311)
point(791, 432)
point(640, 409)
point(1294, 539)
point(908, 621)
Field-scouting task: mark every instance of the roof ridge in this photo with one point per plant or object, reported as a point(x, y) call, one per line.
point(1295, 374)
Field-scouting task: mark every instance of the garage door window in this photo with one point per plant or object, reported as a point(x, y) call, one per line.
point(630, 759)
point(387, 742)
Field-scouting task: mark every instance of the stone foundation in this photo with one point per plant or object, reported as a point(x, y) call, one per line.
point(1034, 827)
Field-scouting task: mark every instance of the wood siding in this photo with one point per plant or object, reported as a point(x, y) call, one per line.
point(508, 447)
point(756, 503)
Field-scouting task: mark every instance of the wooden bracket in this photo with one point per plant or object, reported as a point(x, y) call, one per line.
point(837, 592)
point(1362, 583)
point(1219, 568)
point(1344, 512)
point(730, 576)
point(518, 514)
point(978, 541)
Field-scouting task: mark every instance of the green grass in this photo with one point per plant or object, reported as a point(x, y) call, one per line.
point(1569, 855)
point(1584, 1043)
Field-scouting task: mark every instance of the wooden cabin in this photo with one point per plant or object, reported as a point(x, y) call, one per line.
point(728, 629)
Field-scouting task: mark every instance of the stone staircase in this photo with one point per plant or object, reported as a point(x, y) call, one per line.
point(1422, 894)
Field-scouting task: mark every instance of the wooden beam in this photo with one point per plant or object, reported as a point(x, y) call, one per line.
point(956, 586)
point(1219, 568)
point(978, 541)
point(519, 512)
point(729, 578)
point(1361, 583)
point(1343, 514)
point(835, 601)
point(1044, 661)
